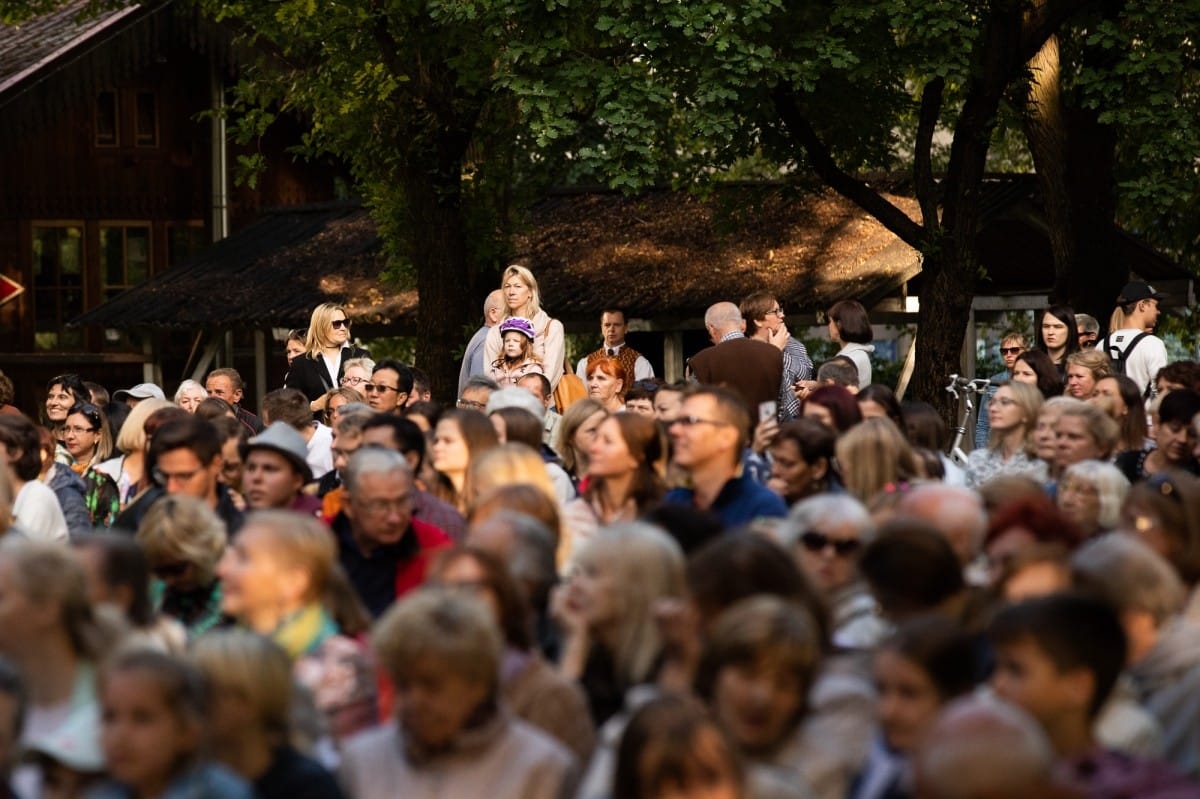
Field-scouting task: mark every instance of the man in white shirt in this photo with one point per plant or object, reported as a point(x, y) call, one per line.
point(1132, 339)
point(613, 328)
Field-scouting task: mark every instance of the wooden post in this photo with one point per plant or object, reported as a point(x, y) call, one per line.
point(260, 367)
point(673, 356)
point(910, 363)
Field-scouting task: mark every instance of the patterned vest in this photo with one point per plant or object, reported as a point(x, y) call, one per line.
point(626, 355)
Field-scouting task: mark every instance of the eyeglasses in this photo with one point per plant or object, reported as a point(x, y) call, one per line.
point(338, 324)
point(471, 404)
point(78, 430)
point(1011, 350)
point(1004, 402)
point(353, 381)
point(689, 421)
point(817, 542)
point(776, 311)
point(371, 388)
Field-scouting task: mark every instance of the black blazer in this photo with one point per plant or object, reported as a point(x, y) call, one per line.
point(310, 376)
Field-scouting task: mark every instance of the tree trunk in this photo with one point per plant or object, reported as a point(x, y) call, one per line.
point(942, 321)
point(436, 229)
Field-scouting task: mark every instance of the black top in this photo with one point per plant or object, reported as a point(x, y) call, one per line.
point(291, 775)
point(131, 518)
point(310, 375)
point(373, 576)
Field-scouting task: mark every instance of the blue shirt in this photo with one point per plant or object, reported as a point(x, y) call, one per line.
point(740, 501)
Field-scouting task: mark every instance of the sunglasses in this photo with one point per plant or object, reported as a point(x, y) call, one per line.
point(1011, 350)
point(371, 388)
point(338, 324)
point(818, 542)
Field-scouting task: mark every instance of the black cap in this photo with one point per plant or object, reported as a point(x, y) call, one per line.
point(1138, 291)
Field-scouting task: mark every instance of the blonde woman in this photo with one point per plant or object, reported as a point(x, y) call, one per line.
point(184, 539)
point(1084, 370)
point(606, 611)
point(1012, 417)
point(326, 351)
point(129, 470)
point(522, 299)
point(875, 457)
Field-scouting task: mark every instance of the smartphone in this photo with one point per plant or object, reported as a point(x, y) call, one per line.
point(767, 410)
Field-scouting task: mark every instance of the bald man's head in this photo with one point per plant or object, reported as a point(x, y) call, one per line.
point(955, 512)
point(723, 318)
point(981, 749)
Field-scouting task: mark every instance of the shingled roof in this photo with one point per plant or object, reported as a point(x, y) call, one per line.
point(660, 255)
point(38, 42)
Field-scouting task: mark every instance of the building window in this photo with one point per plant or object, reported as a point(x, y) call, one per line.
point(57, 285)
point(185, 240)
point(124, 257)
point(108, 123)
point(146, 120)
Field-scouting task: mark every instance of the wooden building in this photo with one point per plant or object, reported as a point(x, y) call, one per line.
point(111, 173)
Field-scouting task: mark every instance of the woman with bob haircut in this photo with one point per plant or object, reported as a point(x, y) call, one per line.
point(249, 679)
point(1083, 432)
point(327, 348)
point(833, 406)
point(1084, 369)
point(461, 437)
point(1012, 417)
point(611, 639)
point(626, 463)
point(1058, 335)
point(607, 382)
point(184, 539)
point(759, 664)
point(530, 686)
point(443, 651)
point(129, 470)
point(850, 326)
point(802, 460)
point(278, 579)
point(522, 299)
point(1034, 367)
point(874, 456)
point(576, 433)
point(1091, 493)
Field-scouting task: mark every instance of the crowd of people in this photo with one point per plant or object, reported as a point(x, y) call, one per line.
point(767, 580)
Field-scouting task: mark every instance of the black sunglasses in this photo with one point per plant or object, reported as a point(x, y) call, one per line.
point(818, 542)
point(338, 324)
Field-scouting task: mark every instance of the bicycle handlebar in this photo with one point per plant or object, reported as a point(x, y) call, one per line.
point(966, 384)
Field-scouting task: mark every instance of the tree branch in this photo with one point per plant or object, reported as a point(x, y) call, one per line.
point(1043, 21)
point(850, 187)
point(927, 187)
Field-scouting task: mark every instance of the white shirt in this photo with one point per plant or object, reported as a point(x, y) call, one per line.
point(1147, 357)
point(642, 370)
point(320, 452)
point(37, 514)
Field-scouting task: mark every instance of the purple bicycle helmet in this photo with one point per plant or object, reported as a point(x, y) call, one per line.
point(518, 324)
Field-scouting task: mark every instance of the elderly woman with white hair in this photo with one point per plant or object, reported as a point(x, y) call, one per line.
point(826, 535)
point(1163, 653)
point(1091, 493)
point(452, 736)
point(189, 395)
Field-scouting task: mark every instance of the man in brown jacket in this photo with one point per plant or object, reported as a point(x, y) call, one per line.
point(753, 369)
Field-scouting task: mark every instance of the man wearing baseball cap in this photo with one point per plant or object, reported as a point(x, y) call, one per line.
point(1135, 351)
point(142, 391)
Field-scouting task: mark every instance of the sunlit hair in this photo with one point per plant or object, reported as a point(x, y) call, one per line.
point(578, 413)
point(364, 363)
point(613, 368)
point(179, 528)
point(301, 542)
point(456, 630)
point(252, 670)
point(1029, 400)
point(1095, 361)
point(1110, 484)
point(874, 455)
point(1105, 433)
point(318, 328)
point(132, 437)
point(504, 465)
point(646, 565)
point(479, 436)
point(186, 386)
point(644, 439)
point(349, 394)
point(1130, 576)
point(534, 306)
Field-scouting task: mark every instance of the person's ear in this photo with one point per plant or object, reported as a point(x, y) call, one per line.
point(1079, 686)
point(819, 468)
